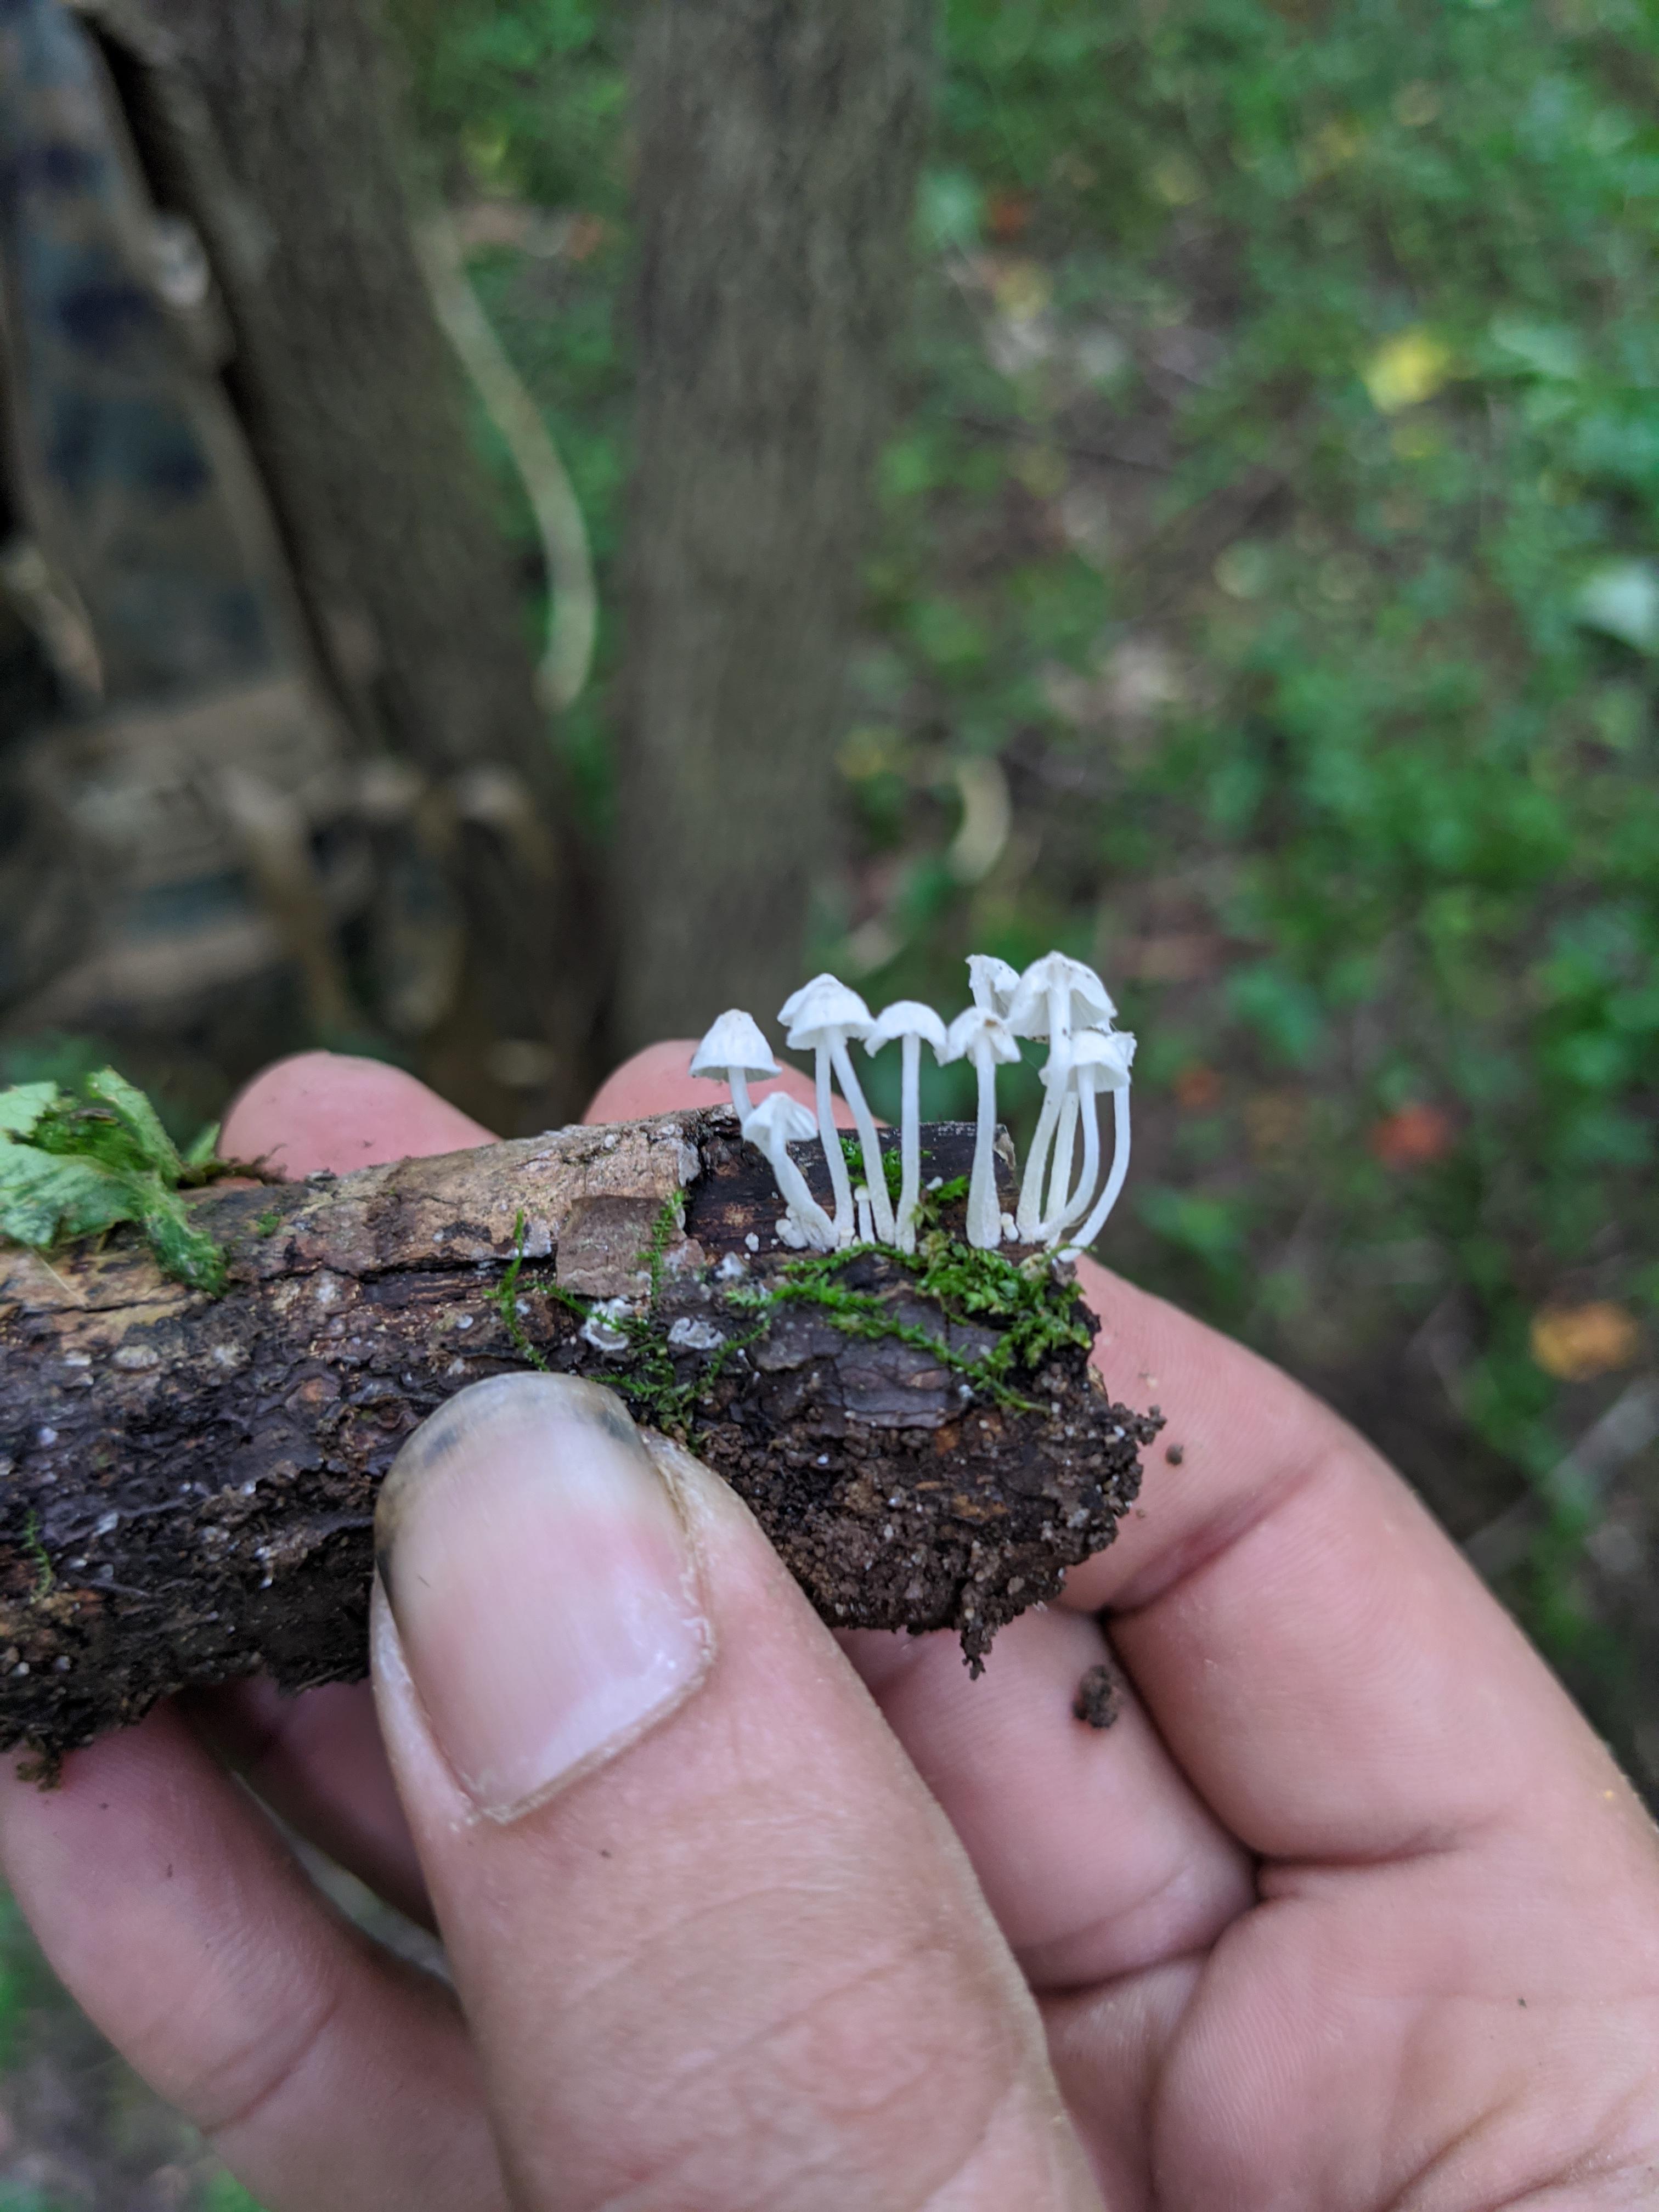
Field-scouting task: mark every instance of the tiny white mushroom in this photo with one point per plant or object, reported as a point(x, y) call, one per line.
point(981, 1035)
point(1055, 995)
point(910, 1022)
point(776, 1124)
point(1114, 1078)
point(734, 1051)
point(991, 982)
point(1067, 1201)
point(822, 1015)
point(603, 1328)
point(1100, 1059)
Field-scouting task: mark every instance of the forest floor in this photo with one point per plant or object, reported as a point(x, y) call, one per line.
point(1265, 607)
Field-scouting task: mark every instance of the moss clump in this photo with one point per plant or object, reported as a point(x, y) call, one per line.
point(1036, 1311)
point(892, 1166)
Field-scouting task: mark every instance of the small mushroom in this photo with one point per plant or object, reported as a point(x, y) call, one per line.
point(1055, 995)
point(910, 1022)
point(981, 1035)
point(735, 1049)
point(822, 1015)
point(776, 1124)
point(1112, 1076)
point(1065, 1201)
point(1098, 1057)
point(991, 981)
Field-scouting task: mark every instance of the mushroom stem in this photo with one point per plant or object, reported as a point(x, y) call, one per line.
point(1030, 1215)
point(1107, 1199)
point(1055, 1076)
point(840, 1182)
point(740, 1098)
point(1060, 1164)
point(875, 1171)
point(904, 1227)
point(1066, 1205)
point(984, 1208)
point(802, 1208)
point(861, 1207)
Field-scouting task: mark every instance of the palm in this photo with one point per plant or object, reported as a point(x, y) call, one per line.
point(1367, 2045)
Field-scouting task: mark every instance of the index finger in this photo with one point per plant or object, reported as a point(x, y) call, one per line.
point(1327, 1667)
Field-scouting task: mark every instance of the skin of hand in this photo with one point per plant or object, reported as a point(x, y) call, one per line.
point(1349, 1908)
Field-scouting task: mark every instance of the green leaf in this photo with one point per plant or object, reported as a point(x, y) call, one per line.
point(138, 1118)
point(203, 1148)
point(45, 1198)
point(94, 1164)
point(179, 1247)
point(23, 1106)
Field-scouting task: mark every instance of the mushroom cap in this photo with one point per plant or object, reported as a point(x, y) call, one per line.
point(823, 1005)
point(1110, 1052)
point(1028, 1010)
point(906, 1018)
point(734, 1039)
point(779, 1120)
point(977, 1026)
point(991, 981)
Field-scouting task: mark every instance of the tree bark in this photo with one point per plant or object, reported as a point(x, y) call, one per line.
point(271, 127)
point(780, 141)
point(187, 1484)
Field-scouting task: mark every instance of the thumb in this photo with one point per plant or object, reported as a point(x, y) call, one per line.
point(717, 1946)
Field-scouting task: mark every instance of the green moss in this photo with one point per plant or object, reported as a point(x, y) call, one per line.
point(1034, 1312)
point(45, 1577)
point(505, 1299)
point(671, 1216)
point(267, 1223)
point(892, 1166)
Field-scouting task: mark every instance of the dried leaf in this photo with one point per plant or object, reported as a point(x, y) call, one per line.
point(1413, 1136)
point(1577, 1343)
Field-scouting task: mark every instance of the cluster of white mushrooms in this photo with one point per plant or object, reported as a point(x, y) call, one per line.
point(1060, 1205)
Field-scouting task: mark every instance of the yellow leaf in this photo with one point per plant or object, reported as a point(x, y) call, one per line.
point(1022, 289)
point(1574, 1343)
point(1406, 369)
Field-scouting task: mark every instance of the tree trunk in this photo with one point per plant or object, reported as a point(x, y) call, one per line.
point(271, 127)
point(779, 143)
point(188, 1484)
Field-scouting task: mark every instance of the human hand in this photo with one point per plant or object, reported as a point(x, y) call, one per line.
point(1349, 1908)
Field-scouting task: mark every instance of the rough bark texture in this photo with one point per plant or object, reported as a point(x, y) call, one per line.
point(272, 126)
point(187, 1485)
point(779, 147)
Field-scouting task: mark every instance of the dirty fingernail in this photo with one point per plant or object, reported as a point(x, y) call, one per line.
point(542, 1583)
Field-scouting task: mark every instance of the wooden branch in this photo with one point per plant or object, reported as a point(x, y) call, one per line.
point(187, 1484)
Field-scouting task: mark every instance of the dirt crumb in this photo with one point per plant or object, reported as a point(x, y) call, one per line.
point(1098, 1702)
